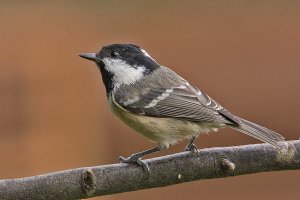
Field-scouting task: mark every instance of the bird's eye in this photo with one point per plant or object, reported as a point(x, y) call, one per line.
point(114, 54)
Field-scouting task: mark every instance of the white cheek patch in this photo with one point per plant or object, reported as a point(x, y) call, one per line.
point(164, 95)
point(123, 73)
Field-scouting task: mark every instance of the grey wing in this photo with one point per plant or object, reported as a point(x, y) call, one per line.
point(213, 105)
point(181, 101)
point(171, 96)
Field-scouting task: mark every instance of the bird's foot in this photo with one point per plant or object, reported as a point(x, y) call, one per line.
point(191, 147)
point(133, 159)
point(136, 158)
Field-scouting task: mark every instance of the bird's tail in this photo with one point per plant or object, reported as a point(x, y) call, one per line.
point(258, 132)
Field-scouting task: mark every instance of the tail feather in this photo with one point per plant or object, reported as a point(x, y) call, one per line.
point(258, 132)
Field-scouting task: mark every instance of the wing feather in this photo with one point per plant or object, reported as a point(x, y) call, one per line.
point(170, 96)
point(177, 102)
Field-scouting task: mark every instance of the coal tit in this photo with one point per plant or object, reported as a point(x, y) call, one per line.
point(160, 104)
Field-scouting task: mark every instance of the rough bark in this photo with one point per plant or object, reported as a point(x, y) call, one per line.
point(167, 170)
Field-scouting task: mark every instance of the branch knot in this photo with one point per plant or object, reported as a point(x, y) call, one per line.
point(88, 182)
point(227, 165)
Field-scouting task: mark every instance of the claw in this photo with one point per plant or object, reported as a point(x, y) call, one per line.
point(191, 147)
point(135, 160)
point(143, 164)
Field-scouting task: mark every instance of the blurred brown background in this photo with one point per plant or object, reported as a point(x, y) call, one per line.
point(53, 108)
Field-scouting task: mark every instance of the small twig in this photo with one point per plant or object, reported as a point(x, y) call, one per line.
point(167, 170)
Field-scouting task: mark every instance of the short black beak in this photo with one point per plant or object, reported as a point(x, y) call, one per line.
point(89, 56)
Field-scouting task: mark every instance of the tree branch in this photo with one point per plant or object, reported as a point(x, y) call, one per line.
point(167, 170)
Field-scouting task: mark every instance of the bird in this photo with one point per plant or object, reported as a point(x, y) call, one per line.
point(161, 105)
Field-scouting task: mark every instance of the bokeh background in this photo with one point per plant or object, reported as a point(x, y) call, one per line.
point(53, 108)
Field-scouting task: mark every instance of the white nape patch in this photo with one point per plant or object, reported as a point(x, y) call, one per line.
point(164, 95)
point(124, 74)
point(146, 54)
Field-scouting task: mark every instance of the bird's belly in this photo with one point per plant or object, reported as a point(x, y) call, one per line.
point(163, 131)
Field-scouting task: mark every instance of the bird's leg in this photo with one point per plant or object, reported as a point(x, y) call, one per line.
point(135, 158)
point(191, 146)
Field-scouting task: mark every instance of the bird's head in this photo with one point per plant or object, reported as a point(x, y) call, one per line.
point(122, 64)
